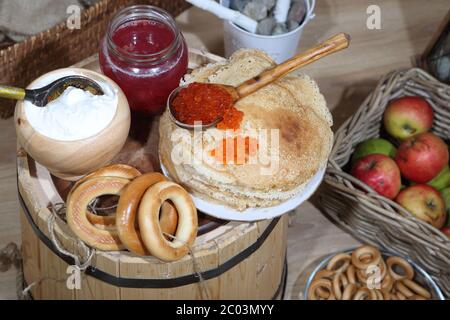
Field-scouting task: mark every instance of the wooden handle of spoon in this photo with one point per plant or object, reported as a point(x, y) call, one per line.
point(12, 93)
point(333, 44)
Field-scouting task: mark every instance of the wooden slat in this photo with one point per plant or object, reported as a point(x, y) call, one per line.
point(30, 255)
point(94, 289)
point(53, 269)
point(270, 261)
point(207, 258)
point(26, 185)
point(238, 282)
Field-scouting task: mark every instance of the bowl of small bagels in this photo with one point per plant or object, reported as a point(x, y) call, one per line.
point(367, 273)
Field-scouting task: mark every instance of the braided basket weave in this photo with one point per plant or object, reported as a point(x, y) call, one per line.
point(61, 47)
point(365, 214)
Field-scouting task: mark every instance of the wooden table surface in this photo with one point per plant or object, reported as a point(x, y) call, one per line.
point(345, 79)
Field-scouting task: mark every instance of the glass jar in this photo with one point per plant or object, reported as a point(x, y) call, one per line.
point(145, 53)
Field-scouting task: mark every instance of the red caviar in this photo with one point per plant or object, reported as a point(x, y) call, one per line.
point(206, 102)
point(241, 149)
point(231, 119)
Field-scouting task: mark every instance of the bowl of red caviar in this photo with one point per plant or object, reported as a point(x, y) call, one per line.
point(203, 105)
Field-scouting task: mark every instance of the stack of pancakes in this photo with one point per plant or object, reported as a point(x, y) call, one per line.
point(293, 105)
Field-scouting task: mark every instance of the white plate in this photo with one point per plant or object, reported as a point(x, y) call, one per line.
point(254, 214)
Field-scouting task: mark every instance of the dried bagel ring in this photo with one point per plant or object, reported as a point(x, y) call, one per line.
point(416, 297)
point(101, 221)
point(400, 296)
point(400, 287)
point(77, 204)
point(366, 259)
point(148, 217)
point(416, 288)
point(334, 262)
point(324, 295)
point(323, 274)
point(363, 275)
point(114, 170)
point(351, 274)
point(387, 283)
point(324, 284)
point(339, 283)
point(407, 268)
point(127, 209)
point(349, 291)
point(365, 256)
point(386, 294)
point(372, 294)
point(383, 269)
point(379, 294)
point(361, 294)
point(331, 297)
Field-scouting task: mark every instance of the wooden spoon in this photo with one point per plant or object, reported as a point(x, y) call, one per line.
point(332, 45)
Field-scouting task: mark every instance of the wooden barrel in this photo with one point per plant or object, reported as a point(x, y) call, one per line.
point(234, 260)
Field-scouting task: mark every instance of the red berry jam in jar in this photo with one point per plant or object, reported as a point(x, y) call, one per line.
point(145, 53)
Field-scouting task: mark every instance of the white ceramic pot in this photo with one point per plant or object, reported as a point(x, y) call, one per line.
point(280, 47)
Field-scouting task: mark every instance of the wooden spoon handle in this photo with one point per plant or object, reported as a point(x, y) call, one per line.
point(333, 44)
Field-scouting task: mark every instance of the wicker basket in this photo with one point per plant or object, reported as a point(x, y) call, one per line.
point(61, 47)
point(365, 214)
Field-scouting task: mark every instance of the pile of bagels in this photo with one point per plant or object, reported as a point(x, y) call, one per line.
point(154, 216)
point(364, 275)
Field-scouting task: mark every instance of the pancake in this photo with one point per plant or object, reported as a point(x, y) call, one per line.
point(288, 119)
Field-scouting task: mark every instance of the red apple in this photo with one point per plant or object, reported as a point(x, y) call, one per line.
point(380, 173)
point(408, 116)
point(422, 157)
point(446, 231)
point(425, 203)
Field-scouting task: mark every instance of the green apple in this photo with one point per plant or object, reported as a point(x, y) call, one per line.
point(442, 180)
point(372, 146)
point(446, 196)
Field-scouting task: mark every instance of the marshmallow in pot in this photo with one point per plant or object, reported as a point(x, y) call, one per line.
point(78, 132)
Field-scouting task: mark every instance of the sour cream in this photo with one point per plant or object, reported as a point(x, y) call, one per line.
point(76, 114)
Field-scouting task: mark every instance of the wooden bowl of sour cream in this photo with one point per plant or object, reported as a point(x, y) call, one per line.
point(78, 132)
